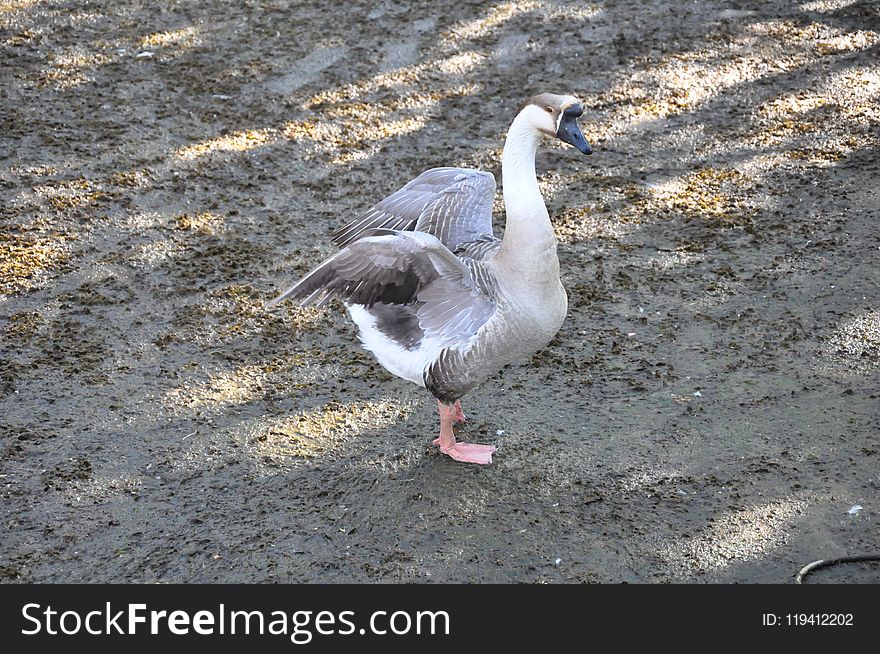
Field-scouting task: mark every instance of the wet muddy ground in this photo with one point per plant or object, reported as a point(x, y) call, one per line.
point(708, 412)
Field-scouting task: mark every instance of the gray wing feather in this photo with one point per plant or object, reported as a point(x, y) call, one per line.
point(402, 268)
point(480, 249)
point(453, 204)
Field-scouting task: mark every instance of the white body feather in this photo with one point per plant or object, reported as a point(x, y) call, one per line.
point(406, 364)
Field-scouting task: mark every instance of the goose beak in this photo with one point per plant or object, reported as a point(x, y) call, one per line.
point(569, 132)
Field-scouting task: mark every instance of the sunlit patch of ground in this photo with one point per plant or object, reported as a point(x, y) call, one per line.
point(497, 16)
point(154, 253)
point(659, 95)
point(78, 196)
point(848, 42)
point(316, 432)
point(85, 16)
point(586, 224)
point(128, 178)
point(786, 106)
point(247, 383)
point(98, 490)
point(684, 81)
point(484, 157)
point(35, 171)
point(225, 388)
point(138, 222)
point(826, 123)
point(187, 36)
point(22, 37)
point(350, 123)
point(68, 69)
point(722, 195)
point(817, 38)
point(9, 6)
point(450, 69)
point(820, 40)
point(241, 309)
point(707, 193)
point(23, 326)
point(787, 118)
point(235, 142)
point(203, 222)
point(815, 156)
point(854, 345)
point(353, 131)
point(347, 131)
point(574, 11)
point(638, 479)
point(675, 259)
point(73, 194)
point(826, 6)
point(617, 209)
point(858, 90)
point(494, 18)
point(236, 310)
point(737, 536)
point(27, 259)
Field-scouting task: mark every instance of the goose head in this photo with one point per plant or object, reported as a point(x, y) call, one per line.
point(556, 116)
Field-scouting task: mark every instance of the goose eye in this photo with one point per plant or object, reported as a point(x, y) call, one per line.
point(549, 110)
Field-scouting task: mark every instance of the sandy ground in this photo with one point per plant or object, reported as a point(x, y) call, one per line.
point(708, 413)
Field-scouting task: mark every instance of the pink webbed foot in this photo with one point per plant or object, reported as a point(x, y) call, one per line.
point(464, 452)
point(470, 453)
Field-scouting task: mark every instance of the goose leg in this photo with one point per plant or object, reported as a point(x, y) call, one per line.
point(464, 452)
point(459, 414)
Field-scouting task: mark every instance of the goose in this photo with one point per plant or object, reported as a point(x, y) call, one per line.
point(440, 300)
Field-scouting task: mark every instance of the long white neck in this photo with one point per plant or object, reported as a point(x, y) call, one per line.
point(528, 234)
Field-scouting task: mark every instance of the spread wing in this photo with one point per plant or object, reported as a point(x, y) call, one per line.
point(453, 204)
point(404, 268)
